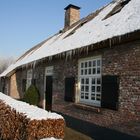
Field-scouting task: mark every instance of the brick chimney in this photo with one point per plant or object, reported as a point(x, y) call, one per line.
point(72, 15)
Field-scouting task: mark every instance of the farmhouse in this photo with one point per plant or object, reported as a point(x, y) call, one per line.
point(88, 70)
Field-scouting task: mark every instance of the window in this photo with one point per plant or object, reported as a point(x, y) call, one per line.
point(49, 70)
point(90, 81)
point(117, 8)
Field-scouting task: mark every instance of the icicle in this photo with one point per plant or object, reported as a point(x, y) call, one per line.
point(92, 46)
point(73, 52)
point(22, 66)
point(50, 58)
point(34, 64)
point(26, 65)
point(66, 56)
point(110, 43)
point(70, 53)
point(119, 39)
point(63, 54)
point(81, 49)
point(87, 49)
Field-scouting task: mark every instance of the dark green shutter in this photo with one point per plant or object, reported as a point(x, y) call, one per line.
point(69, 88)
point(110, 92)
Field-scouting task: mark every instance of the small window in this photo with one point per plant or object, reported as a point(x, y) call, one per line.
point(117, 8)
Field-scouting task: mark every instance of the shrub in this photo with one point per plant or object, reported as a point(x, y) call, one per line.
point(31, 95)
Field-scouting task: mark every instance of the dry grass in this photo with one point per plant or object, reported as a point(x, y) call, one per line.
point(71, 134)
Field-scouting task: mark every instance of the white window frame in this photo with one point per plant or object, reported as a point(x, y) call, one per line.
point(90, 95)
point(29, 78)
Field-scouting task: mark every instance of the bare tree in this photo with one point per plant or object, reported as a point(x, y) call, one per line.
point(5, 63)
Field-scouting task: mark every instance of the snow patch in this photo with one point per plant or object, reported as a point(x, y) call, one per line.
point(32, 112)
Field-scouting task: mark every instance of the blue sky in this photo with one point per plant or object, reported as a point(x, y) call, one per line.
point(25, 23)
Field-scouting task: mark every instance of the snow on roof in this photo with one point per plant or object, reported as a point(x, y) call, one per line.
point(32, 112)
point(95, 30)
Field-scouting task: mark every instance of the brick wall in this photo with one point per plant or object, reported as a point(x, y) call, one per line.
point(13, 88)
point(123, 61)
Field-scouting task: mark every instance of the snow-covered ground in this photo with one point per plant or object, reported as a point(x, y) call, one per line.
point(32, 112)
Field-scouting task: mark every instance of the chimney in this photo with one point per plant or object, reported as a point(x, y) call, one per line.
point(72, 15)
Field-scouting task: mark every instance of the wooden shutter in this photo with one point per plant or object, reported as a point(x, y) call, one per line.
point(69, 88)
point(110, 89)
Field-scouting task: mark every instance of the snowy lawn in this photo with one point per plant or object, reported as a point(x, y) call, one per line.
point(32, 112)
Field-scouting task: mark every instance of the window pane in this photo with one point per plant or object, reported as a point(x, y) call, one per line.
point(85, 64)
point(93, 71)
point(93, 89)
point(98, 62)
point(98, 97)
point(89, 63)
point(82, 81)
point(98, 89)
point(87, 88)
point(98, 71)
point(98, 81)
point(94, 63)
point(87, 81)
point(82, 65)
point(92, 96)
point(82, 72)
point(86, 95)
point(82, 88)
point(82, 95)
point(89, 71)
point(85, 71)
point(93, 81)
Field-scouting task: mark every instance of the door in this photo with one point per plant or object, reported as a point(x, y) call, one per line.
point(49, 84)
